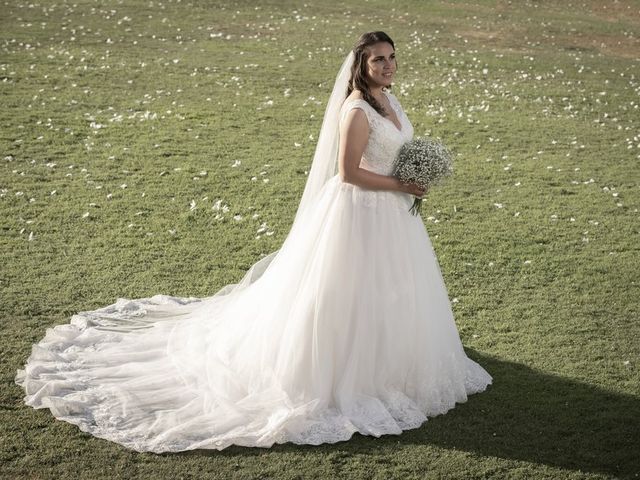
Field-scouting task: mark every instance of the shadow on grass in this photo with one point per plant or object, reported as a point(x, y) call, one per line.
point(525, 415)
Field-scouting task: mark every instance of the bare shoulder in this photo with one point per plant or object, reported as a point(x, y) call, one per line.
point(355, 95)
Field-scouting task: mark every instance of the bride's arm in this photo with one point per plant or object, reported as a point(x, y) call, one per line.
point(354, 134)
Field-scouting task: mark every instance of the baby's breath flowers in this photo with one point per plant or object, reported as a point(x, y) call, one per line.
point(422, 161)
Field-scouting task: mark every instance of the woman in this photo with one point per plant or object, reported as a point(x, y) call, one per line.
point(347, 328)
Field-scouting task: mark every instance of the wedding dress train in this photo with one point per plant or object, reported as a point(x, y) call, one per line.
point(347, 328)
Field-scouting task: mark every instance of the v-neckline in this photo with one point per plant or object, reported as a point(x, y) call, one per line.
point(394, 111)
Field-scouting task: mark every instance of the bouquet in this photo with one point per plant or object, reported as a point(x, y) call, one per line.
point(424, 162)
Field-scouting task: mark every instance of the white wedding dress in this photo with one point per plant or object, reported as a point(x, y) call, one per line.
point(349, 330)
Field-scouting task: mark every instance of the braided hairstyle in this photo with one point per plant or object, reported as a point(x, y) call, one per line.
point(358, 80)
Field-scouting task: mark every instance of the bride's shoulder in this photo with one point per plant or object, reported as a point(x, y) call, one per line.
point(356, 101)
point(355, 98)
point(355, 95)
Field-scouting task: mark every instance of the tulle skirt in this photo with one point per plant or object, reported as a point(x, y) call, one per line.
point(347, 328)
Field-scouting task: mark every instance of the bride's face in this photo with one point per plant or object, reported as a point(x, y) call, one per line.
point(381, 64)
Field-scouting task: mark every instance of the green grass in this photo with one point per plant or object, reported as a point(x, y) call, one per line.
point(537, 233)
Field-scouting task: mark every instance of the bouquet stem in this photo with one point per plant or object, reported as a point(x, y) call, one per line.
point(416, 207)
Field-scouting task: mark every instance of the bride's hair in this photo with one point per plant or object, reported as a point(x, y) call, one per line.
point(358, 80)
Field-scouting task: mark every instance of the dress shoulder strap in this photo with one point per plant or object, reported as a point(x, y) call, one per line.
point(356, 103)
point(394, 101)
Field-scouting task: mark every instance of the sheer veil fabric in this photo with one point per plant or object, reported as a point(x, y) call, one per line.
point(346, 328)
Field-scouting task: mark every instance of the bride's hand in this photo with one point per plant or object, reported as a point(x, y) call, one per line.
point(413, 189)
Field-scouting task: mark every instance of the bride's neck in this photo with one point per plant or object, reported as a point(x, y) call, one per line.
point(377, 92)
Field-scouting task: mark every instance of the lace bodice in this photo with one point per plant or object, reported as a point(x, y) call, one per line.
point(385, 139)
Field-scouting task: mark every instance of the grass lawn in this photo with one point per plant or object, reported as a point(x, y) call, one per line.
point(161, 147)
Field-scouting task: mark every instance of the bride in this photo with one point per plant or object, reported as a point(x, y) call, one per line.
point(347, 328)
